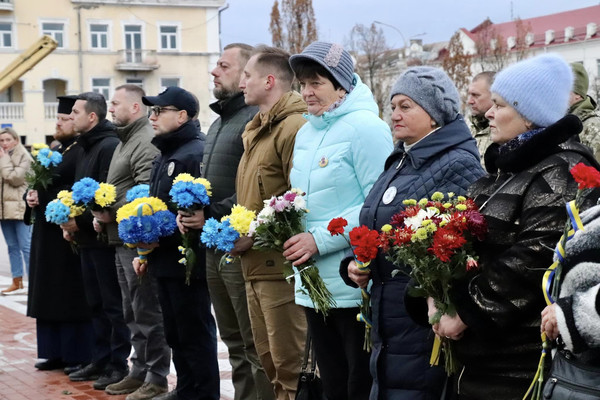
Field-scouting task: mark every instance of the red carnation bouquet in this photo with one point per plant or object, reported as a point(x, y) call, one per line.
point(432, 242)
point(365, 244)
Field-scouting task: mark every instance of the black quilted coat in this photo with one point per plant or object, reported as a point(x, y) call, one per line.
point(446, 161)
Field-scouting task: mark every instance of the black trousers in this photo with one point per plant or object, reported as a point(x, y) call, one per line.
point(338, 345)
point(191, 333)
point(112, 338)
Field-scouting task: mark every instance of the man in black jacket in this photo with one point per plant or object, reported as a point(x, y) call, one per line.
point(112, 337)
point(190, 329)
point(222, 154)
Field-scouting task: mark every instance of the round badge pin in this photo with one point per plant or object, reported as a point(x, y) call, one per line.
point(389, 195)
point(323, 162)
point(171, 168)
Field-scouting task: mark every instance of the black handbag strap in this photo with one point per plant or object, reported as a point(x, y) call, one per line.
point(309, 356)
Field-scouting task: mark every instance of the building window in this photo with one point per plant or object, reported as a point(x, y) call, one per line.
point(168, 37)
point(166, 82)
point(102, 86)
point(5, 34)
point(56, 30)
point(99, 36)
point(135, 81)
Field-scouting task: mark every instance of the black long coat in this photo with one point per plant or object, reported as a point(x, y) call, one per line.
point(56, 291)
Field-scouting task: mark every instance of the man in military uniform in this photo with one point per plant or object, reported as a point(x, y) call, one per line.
point(480, 101)
point(584, 107)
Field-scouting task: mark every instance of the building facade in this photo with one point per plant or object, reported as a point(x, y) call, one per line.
point(103, 44)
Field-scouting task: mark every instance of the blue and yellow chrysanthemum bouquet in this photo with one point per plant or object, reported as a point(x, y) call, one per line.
point(189, 194)
point(59, 210)
point(222, 235)
point(44, 162)
point(88, 193)
point(143, 221)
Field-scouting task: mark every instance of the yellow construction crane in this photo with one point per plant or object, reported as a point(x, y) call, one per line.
point(26, 60)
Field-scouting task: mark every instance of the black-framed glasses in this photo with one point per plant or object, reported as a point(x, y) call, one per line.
point(156, 110)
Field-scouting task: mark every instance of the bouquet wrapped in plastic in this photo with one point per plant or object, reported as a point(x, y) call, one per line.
point(280, 219)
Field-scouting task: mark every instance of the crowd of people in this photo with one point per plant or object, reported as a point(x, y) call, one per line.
point(530, 124)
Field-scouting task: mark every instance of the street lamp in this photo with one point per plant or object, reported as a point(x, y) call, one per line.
point(397, 30)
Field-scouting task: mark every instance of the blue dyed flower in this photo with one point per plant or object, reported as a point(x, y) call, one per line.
point(166, 222)
point(48, 158)
point(57, 212)
point(188, 194)
point(220, 235)
point(84, 190)
point(210, 232)
point(142, 190)
point(147, 228)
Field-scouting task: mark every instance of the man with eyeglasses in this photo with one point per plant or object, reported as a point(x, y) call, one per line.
point(189, 326)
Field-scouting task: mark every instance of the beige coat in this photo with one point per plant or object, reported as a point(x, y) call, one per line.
point(13, 167)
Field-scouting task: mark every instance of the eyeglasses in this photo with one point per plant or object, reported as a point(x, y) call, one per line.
point(157, 110)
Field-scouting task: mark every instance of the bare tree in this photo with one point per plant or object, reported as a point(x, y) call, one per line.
point(492, 52)
point(457, 65)
point(276, 27)
point(521, 48)
point(370, 50)
point(295, 27)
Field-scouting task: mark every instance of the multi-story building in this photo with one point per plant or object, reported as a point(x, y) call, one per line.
point(101, 45)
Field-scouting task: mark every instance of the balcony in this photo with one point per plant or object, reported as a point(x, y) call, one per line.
point(6, 5)
point(137, 60)
point(12, 111)
point(50, 110)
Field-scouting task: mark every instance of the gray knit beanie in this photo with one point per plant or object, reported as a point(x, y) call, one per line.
point(330, 56)
point(538, 88)
point(432, 89)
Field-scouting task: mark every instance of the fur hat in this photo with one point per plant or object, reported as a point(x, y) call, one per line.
point(432, 89)
point(330, 56)
point(538, 88)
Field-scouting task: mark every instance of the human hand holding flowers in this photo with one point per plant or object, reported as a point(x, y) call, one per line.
point(300, 248)
point(549, 323)
point(358, 276)
point(32, 198)
point(242, 245)
point(187, 220)
point(139, 267)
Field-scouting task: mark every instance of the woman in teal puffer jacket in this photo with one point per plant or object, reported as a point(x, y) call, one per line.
point(338, 155)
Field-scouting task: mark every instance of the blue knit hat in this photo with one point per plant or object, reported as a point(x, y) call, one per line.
point(330, 56)
point(538, 88)
point(433, 90)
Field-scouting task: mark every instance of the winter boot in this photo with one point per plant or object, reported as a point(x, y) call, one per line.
point(15, 288)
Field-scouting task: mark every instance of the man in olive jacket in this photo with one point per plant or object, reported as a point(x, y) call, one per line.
point(278, 323)
point(131, 165)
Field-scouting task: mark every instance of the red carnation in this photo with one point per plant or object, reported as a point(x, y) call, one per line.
point(336, 226)
point(366, 243)
point(586, 177)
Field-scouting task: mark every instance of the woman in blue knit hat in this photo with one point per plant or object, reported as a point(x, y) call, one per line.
point(338, 155)
point(497, 326)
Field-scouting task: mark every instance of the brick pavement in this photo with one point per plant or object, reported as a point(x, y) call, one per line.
point(20, 380)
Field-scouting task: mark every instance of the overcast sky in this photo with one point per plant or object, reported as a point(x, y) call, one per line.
point(432, 20)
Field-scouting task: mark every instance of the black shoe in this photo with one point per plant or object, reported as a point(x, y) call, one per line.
point(69, 369)
point(109, 377)
point(90, 372)
point(172, 395)
point(49, 365)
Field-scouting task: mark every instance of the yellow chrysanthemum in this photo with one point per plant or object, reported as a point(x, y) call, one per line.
point(76, 211)
point(431, 228)
point(240, 219)
point(447, 205)
point(386, 228)
point(421, 234)
point(65, 197)
point(450, 195)
point(461, 207)
point(184, 177)
point(443, 223)
point(409, 202)
point(426, 222)
point(149, 205)
point(423, 202)
point(437, 196)
point(105, 195)
point(206, 184)
point(461, 198)
point(36, 147)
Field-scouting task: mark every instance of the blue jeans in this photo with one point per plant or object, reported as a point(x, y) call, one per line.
point(18, 240)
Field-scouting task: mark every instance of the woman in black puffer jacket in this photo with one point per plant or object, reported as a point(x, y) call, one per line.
point(497, 325)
